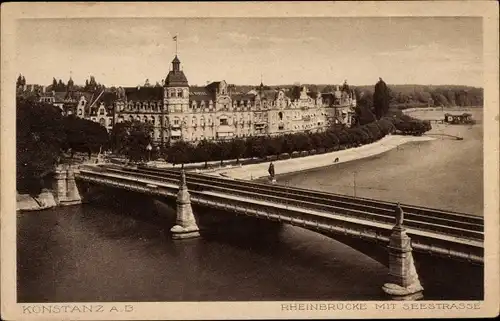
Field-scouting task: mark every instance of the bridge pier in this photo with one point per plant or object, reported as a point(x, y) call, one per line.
point(186, 226)
point(60, 184)
point(403, 282)
point(66, 190)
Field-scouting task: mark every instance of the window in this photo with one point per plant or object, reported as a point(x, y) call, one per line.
point(280, 115)
point(176, 121)
point(101, 111)
point(179, 94)
point(223, 121)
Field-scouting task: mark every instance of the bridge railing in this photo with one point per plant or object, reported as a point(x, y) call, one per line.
point(359, 211)
point(374, 231)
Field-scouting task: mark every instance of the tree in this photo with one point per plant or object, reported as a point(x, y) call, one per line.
point(204, 151)
point(118, 137)
point(332, 139)
point(318, 140)
point(39, 141)
point(381, 98)
point(451, 97)
point(273, 145)
point(180, 153)
point(328, 89)
point(288, 144)
point(222, 150)
point(131, 139)
point(256, 147)
point(19, 82)
point(302, 142)
point(60, 86)
point(364, 115)
point(84, 135)
point(139, 137)
point(238, 148)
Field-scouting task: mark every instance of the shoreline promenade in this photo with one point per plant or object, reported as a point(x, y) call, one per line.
point(294, 165)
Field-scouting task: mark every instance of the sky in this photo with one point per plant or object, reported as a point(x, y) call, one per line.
point(127, 51)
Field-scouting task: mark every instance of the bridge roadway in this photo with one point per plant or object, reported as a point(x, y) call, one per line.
point(439, 233)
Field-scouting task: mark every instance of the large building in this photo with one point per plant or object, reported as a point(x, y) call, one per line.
point(217, 111)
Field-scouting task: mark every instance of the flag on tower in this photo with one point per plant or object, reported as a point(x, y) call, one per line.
point(174, 38)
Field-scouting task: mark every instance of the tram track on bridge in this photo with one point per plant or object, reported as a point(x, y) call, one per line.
point(467, 221)
point(367, 209)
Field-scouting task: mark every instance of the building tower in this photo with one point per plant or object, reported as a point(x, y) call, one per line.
point(175, 102)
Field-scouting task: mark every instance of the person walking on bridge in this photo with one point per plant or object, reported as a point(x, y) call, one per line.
point(271, 172)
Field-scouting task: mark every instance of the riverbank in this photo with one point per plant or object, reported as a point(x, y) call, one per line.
point(256, 171)
point(26, 202)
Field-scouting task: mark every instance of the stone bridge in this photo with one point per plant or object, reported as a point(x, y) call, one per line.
point(398, 236)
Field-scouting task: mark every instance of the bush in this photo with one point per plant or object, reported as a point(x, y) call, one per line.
point(284, 156)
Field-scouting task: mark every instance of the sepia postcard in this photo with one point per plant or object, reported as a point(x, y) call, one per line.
point(240, 160)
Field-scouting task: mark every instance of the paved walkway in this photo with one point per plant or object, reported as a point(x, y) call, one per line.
point(255, 171)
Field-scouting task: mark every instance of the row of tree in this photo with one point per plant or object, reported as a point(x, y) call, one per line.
point(264, 146)
point(91, 85)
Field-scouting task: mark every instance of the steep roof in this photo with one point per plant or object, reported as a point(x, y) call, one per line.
point(213, 86)
point(200, 93)
point(242, 96)
point(108, 98)
point(269, 94)
point(143, 93)
point(176, 78)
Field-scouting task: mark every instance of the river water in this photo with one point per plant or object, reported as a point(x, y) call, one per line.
point(98, 252)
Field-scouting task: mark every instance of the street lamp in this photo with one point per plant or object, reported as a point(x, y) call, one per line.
point(149, 148)
point(354, 182)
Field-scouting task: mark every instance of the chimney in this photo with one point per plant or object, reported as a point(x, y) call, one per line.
point(43, 89)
